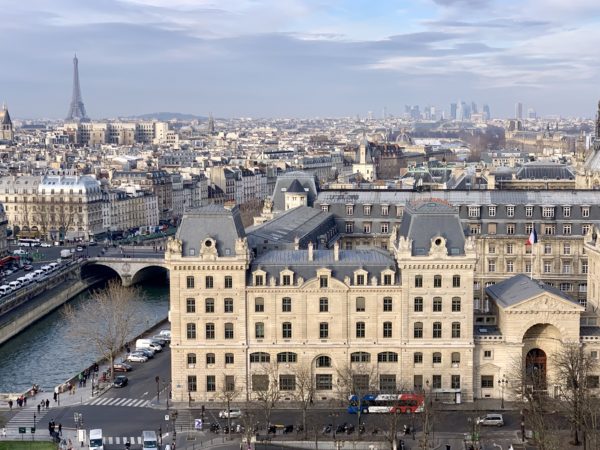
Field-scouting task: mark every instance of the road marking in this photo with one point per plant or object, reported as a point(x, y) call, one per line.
point(145, 393)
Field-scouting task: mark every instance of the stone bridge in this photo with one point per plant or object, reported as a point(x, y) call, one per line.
point(131, 269)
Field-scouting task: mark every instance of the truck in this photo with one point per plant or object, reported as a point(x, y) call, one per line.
point(66, 253)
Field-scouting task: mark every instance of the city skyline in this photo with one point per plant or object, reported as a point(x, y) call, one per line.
point(300, 58)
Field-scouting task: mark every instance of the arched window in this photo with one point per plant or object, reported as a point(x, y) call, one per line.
point(437, 281)
point(437, 304)
point(437, 358)
point(455, 358)
point(418, 358)
point(437, 330)
point(260, 357)
point(210, 331)
point(360, 357)
point(287, 357)
point(229, 358)
point(418, 330)
point(323, 361)
point(456, 304)
point(228, 330)
point(191, 360)
point(210, 358)
point(388, 357)
point(191, 331)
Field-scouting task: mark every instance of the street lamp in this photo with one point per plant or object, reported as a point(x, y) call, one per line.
point(157, 379)
point(503, 383)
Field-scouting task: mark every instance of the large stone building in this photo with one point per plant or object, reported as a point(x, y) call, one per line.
point(411, 316)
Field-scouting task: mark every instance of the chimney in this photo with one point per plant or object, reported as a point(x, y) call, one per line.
point(310, 251)
point(336, 251)
point(296, 243)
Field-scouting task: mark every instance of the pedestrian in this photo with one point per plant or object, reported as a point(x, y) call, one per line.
point(55, 396)
point(73, 390)
point(10, 403)
point(47, 403)
point(39, 407)
point(60, 429)
point(25, 401)
point(50, 428)
point(3, 432)
point(69, 444)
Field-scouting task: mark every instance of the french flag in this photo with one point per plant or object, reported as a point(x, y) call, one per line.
point(532, 237)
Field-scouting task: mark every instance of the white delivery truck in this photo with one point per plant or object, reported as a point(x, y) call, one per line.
point(66, 253)
point(96, 439)
point(149, 441)
point(147, 343)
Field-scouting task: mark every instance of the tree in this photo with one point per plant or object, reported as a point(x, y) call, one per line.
point(229, 392)
point(573, 369)
point(305, 390)
point(528, 385)
point(104, 322)
point(355, 380)
point(265, 388)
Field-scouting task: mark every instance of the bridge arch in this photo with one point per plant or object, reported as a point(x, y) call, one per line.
point(150, 272)
point(129, 270)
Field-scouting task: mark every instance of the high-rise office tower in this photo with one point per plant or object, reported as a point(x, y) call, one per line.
point(518, 110)
point(77, 108)
point(531, 114)
point(486, 112)
point(453, 111)
point(474, 109)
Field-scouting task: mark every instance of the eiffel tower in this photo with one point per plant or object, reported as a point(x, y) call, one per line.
point(77, 108)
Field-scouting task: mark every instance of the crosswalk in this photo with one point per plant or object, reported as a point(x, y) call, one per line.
point(115, 401)
point(25, 418)
point(109, 440)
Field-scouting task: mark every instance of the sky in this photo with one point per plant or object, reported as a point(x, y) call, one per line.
point(299, 58)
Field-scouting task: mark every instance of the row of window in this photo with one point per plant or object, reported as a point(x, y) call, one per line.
point(548, 212)
point(436, 304)
point(286, 304)
point(511, 229)
point(368, 209)
point(209, 282)
point(510, 248)
point(437, 281)
point(256, 357)
point(548, 266)
point(367, 227)
point(286, 330)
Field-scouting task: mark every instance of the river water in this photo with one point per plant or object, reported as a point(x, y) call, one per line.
point(45, 353)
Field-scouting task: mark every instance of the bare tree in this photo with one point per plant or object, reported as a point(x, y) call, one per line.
point(305, 390)
point(355, 380)
point(528, 385)
point(573, 368)
point(105, 321)
point(228, 393)
point(265, 388)
point(249, 421)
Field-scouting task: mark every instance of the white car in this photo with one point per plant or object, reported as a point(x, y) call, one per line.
point(134, 357)
point(19, 252)
point(491, 420)
point(233, 413)
point(79, 249)
point(45, 244)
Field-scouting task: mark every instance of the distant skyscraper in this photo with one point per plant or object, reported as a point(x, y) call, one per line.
point(453, 111)
point(531, 114)
point(474, 109)
point(518, 110)
point(486, 112)
point(77, 109)
point(211, 124)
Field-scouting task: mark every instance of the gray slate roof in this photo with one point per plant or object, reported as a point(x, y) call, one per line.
point(215, 221)
point(372, 260)
point(296, 188)
point(424, 221)
point(519, 288)
point(540, 170)
point(285, 181)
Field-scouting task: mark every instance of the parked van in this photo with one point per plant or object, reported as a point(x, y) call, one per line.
point(147, 343)
point(15, 284)
point(149, 441)
point(165, 334)
point(46, 268)
point(5, 289)
point(53, 265)
point(24, 280)
point(96, 439)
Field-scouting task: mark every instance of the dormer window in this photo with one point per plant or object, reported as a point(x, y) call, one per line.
point(286, 278)
point(323, 281)
point(360, 277)
point(387, 277)
point(259, 280)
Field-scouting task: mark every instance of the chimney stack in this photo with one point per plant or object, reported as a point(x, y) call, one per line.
point(336, 251)
point(310, 251)
point(296, 243)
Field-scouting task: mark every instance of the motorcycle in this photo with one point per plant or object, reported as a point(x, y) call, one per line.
point(327, 428)
point(362, 428)
point(349, 429)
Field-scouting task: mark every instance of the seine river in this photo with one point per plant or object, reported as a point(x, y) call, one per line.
point(45, 353)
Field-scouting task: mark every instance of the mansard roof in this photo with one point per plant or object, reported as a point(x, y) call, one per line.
point(521, 287)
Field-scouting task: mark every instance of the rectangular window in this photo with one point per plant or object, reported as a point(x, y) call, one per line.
point(360, 280)
point(566, 249)
point(418, 281)
point(387, 329)
point(529, 211)
point(229, 383)
point(190, 282)
point(209, 305)
point(547, 266)
point(567, 228)
point(510, 249)
point(474, 229)
point(349, 227)
point(418, 358)
point(473, 211)
point(550, 229)
point(436, 382)
point(228, 331)
point(456, 304)
point(528, 228)
point(259, 330)
point(191, 331)
point(547, 249)
point(211, 383)
point(585, 211)
point(385, 210)
point(418, 304)
point(349, 210)
point(360, 330)
point(324, 330)
point(548, 212)
point(492, 211)
point(286, 280)
point(286, 330)
point(259, 304)
point(367, 210)
point(510, 211)
point(366, 227)
point(487, 381)
point(360, 304)
point(192, 383)
point(229, 359)
point(455, 330)
point(387, 279)
point(259, 280)
point(566, 267)
point(387, 304)
point(487, 354)
point(437, 281)
point(510, 228)
point(437, 304)
point(209, 282)
point(228, 282)
point(584, 267)
point(210, 358)
point(456, 281)
point(286, 304)
point(325, 208)
point(491, 248)
point(437, 330)
point(324, 382)
point(491, 265)
point(323, 281)
point(566, 211)
point(387, 383)
point(190, 305)
point(210, 331)
point(228, 305)
point(510, 266)
point(287, 382)
point(385, 227)
point(323, 304)
point(260, 382)
point(455, 382)
point(585, 229)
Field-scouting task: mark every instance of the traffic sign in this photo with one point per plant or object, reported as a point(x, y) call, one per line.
point(22, 430)
point(32, 430)
point(198, 424)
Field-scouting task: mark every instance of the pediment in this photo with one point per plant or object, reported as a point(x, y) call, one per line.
point(546, 302)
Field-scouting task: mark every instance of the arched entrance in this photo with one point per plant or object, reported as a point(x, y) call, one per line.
point(535, 369)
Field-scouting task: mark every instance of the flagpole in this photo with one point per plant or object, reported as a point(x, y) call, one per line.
point(532, 260)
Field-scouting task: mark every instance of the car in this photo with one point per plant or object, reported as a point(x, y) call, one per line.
point(79, 248)
point(19, 252)
point(45, 244)
point(159, 340)
point(148, 353)
point(92, 243)
point(234, 413)
point(8, 272)
point(27, 267)
point(120, 381)
point(137, 357)
point(491, 420)
point(122, 367)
